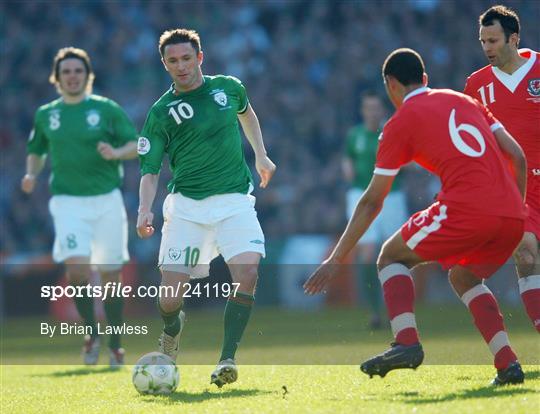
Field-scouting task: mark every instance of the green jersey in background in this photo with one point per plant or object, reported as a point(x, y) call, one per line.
point(361, 148)
point(69, 134)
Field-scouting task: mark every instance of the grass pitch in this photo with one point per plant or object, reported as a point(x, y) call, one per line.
point(306, 362)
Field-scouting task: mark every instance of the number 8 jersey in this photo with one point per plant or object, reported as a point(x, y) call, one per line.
point(199, 131)
point(450, 134)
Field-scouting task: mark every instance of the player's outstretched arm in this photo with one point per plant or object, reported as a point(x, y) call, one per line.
point(147, 193)
point(252, 129)
point(127, 151)
point(513, 152)
point(366, 210)
point(34, 165)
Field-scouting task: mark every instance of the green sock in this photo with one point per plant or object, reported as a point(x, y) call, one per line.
point(235, 319)
point(113, 311)
point(371, 287)
point(171, 322)
point(85, 307)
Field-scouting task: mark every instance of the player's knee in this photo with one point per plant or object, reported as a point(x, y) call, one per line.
point(525, 261)
point(110, 276)
point(524, 256)
point(78, 274)
point(385, 258)
point(170, 304)
point(247, 276)
point(462, 282)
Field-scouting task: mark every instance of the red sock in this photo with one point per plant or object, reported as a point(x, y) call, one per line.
point(489, 321)
point(398, 289)
point(529, 288)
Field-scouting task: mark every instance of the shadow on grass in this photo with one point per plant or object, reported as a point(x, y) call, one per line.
point(80, 372)
point(531, 375)
point(483, 392)
point(199, 397)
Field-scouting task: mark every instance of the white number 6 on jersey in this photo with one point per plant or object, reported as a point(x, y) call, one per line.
point(458, 141)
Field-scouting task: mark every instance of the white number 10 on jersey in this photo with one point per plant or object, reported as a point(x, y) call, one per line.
point(182, 111)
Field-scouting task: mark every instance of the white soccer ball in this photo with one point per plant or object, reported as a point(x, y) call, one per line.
point(155, 373)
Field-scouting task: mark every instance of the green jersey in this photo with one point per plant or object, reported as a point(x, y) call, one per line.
point(361, 149)
point(70, 133)
point(199, 132)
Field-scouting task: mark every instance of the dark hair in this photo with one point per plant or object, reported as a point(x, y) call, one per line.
point(71, 53)
point(175, 36)
point(405, 65)
point(507, 17)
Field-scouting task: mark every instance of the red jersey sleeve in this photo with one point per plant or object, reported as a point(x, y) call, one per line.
point(493, 122)
point(468, 88)
point(394, 146)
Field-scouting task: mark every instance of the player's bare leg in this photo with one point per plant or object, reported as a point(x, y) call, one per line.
point(244, 270)
point(527, 258)
point(78, 272)
point(113, 307)
point(170, 303)
point(489, 321)
point(394, 264)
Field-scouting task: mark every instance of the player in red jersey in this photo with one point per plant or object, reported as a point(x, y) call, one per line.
point(510, 87)
point(472, 228)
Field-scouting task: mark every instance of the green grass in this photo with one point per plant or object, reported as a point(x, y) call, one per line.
point(453, 379)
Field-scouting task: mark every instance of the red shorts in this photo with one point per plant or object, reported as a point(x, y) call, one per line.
point(451, 237)
point(532, 224)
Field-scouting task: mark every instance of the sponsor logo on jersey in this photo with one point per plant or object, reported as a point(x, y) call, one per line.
point(92, 118)
point(143, 146)
point(534, 87)
point(220, 98)
point(174, 253)
point(536, 171)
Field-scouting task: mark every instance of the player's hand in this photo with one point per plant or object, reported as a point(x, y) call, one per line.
point(107, 151)
point(266, 169)
point(28, 183)
point(144, 224)
point(321, 277)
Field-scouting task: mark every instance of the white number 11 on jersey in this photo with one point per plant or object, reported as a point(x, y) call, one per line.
point(491, 93)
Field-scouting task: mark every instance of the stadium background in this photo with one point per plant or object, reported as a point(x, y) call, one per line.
point(304, 64)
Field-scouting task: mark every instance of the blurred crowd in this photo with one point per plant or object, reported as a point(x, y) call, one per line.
point(304, 64)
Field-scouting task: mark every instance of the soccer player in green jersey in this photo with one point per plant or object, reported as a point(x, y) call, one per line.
point(86, 136)
point(209, 210)
point(358, 165)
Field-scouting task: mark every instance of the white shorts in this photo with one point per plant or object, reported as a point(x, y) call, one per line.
point(196, 231)
point(390, 218)
point(91, 226)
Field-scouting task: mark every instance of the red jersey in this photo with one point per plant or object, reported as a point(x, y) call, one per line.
point(515, 101)
point(450, 134)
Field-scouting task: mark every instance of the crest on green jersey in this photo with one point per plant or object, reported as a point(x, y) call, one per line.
point(92, 118)
point(220, 98)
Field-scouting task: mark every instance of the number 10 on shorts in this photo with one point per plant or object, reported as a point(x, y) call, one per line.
point(191, 255)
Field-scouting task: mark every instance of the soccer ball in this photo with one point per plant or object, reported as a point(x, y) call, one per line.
point(155, 373)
